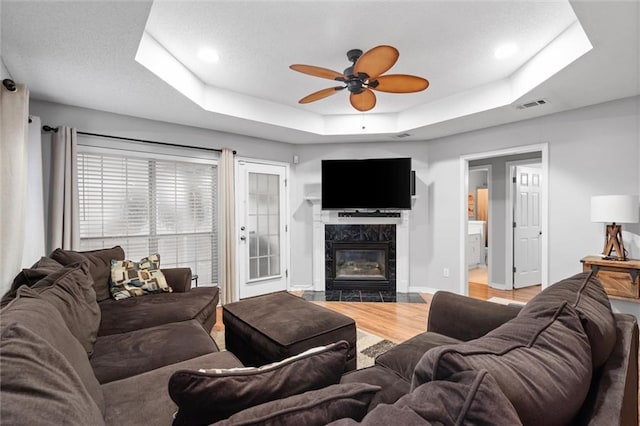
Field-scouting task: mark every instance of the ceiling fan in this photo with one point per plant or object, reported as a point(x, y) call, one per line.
point(364, 76)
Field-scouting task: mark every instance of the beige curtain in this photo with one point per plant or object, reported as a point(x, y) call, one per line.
point(14, 119)
point(63, 223)
point(34, 229)
point(228, 214)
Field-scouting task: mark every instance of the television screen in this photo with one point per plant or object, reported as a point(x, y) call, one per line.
point(379, 183)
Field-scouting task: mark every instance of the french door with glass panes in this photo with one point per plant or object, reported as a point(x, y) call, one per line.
point(262, 228)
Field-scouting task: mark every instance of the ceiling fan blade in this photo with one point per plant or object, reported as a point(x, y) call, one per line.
point(320, 94)
point(401, 83)
point(376, 61)
point(318, 72)
point(363, 101)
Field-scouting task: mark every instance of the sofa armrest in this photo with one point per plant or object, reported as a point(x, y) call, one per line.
point(178, 278)
point(465, 318)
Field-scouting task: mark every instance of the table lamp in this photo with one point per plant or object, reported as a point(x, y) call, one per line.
point(615, 209)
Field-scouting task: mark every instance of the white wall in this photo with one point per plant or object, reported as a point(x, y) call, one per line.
point(593, 150)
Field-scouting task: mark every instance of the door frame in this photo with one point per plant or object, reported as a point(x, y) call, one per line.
point(236, 233)
point(463, 191)
point(511, 166)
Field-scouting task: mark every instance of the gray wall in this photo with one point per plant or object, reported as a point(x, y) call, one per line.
point(581, 144)
point(306, 181)
point(94, 121)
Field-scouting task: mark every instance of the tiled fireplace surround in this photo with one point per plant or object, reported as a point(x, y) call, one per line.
point(378, 240)
point(371, 226)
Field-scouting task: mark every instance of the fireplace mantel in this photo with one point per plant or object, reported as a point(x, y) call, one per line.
point(324, 217)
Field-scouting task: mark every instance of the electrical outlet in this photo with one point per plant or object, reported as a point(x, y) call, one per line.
point(445, 272)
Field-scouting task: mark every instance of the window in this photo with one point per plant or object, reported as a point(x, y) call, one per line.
point(151, 205)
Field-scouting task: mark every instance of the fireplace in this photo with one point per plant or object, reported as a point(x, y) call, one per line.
point(360, 257)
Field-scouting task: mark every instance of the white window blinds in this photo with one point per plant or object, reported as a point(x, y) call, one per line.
point(151, 206)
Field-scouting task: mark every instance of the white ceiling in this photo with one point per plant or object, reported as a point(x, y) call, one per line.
point(84, 54)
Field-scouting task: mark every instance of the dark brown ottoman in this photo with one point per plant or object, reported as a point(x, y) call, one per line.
point(272, 327)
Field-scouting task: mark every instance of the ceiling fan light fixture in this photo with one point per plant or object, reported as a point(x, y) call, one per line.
point(364, 76)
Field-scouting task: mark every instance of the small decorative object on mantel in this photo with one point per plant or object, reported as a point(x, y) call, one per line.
point(614, 209)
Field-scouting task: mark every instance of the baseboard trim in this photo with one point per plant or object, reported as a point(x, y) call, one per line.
point(419, 289)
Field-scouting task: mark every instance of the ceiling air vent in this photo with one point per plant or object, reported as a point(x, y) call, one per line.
point(402, 135)
point(533, 104)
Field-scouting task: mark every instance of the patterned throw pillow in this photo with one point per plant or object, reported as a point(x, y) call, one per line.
point(131, 279)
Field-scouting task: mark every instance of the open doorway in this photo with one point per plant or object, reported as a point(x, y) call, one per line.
point(478, 208)
point(496, 277)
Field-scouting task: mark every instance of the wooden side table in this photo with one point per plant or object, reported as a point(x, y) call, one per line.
point(620, 279)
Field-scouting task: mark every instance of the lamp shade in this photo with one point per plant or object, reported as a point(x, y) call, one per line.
point(615, 208)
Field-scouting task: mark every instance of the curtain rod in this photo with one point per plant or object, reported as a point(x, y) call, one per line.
point(46, 128)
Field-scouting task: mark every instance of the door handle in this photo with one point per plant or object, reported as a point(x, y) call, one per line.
point(243, 238)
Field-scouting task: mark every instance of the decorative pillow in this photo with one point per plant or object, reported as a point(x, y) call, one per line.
point(39, 385)
point(542, 363)
point(99, 265)
point(131, 279)
point(317, 407)
point(206, 396)
point(585, 293)
point(70, 290)
point(466, 398)
point(30, 276)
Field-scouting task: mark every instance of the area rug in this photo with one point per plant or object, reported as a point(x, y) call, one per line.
point(369, 346)
point(502, 301)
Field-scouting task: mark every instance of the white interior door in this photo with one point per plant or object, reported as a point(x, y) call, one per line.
point(527, 229)
point(262, 245)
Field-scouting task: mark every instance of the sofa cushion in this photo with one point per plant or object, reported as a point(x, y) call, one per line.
point(468, 397)
point(70, 290)
point(30, 276)
point(313, 408)
point(541, 361)
point(404, 357)
point(585, 293)
point(392, 385)
point(144, 399)
point(99, 265)
point(133, 279)
point(123, 355)
point(135, 313)
point(206, 396)
point(38, 385)
point(43, 319)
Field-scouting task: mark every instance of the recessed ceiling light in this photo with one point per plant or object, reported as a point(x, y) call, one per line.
point(208, 55)
point(505, 50)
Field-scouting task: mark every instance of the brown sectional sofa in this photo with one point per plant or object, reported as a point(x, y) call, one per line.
point(565, 351)
point(564, 358)
point(102, 358)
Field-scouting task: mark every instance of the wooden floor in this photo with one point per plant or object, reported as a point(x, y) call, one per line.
point(398, 322)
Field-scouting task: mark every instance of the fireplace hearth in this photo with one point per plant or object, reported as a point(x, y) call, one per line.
point(360, 257)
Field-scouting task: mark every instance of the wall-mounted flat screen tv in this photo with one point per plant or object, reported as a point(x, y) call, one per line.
point(377, 183)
